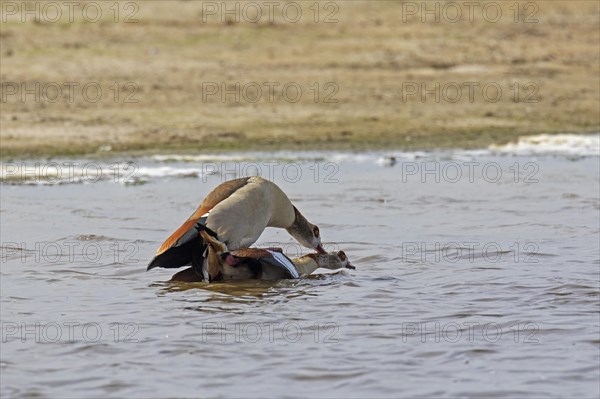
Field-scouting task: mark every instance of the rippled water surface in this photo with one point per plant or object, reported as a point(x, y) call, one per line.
point(474, 285)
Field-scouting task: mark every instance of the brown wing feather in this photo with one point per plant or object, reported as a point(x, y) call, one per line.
point(169, 242)
point(254, 253)
point(220, 193)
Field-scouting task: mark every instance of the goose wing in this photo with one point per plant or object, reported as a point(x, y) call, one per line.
point(268, 258)
point(179, 249)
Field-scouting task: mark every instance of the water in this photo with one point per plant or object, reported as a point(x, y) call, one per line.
point(470, 286)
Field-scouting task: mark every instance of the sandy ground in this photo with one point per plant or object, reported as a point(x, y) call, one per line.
point(187, 76)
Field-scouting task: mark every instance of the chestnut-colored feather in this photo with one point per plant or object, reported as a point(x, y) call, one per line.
point(254, 253)
point(169, 242)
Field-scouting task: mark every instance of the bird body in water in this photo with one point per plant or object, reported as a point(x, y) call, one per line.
point(258, 263)
point(236, 213)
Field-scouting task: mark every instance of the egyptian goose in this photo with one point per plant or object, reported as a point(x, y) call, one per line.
point(236, 212)
point(257, 263)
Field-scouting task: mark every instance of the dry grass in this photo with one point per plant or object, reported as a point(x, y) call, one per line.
point(370, 55)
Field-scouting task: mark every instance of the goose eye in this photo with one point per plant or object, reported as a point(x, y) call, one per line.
point(316, 231)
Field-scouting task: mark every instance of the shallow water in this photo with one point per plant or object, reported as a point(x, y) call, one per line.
point(470, 286)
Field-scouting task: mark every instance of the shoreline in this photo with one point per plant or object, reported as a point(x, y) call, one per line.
point(428, 143)
point(329, 148)
point(141, 168)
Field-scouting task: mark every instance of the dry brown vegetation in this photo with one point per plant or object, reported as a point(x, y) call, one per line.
point(365, 62)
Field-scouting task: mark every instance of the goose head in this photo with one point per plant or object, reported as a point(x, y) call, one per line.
point(306, 233)
point(331, 260)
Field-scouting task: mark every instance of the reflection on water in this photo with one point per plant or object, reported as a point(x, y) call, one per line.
point(235, 289)
point(483, 285)
point(258, 288)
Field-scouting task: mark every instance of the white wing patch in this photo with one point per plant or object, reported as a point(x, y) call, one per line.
point(285, 263)
point(205, 266)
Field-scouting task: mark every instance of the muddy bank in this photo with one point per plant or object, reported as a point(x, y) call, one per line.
point(355, 75)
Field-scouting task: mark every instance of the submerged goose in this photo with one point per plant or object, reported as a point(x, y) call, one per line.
point(236, 212)
point(257, 263)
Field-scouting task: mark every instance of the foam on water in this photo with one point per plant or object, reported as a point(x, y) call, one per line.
point(553, 144)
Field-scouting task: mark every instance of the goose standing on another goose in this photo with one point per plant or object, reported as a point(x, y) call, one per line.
point(236, 212)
